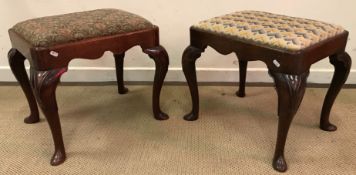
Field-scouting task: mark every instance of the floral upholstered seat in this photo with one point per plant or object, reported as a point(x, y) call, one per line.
point(270, 30)
point(53, 30)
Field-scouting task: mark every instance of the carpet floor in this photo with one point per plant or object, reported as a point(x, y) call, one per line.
point(107, 133)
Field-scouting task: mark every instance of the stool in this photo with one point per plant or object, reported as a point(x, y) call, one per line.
point(287, 45)
point(50, 43)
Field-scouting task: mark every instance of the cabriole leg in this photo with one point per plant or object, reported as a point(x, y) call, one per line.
point(290, 90)
point(242, 84)
point(342, 64)
point(119, 64)
point(160, 56)
point(16, 61)
point(190, 55)
point(44, 84)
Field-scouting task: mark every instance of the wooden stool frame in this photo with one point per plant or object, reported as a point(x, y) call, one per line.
point(49, 63)
point(288, 69)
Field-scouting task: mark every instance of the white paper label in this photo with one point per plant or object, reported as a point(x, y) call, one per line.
point(276, 63)
point(54, 53)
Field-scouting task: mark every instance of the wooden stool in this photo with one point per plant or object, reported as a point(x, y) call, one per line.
point(50, 43)
point(288, 46)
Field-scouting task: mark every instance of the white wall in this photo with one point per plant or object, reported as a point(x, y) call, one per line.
point(174, 19)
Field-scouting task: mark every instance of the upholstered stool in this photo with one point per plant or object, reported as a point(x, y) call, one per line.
point(50, 43)
point(288, 46)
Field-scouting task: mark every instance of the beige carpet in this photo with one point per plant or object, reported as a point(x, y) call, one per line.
point(105, 133)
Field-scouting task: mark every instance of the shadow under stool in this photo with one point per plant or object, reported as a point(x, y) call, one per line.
point(287, 45)
point(50, 43)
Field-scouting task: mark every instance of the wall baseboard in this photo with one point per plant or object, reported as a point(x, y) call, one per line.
point(139, 74)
